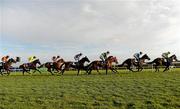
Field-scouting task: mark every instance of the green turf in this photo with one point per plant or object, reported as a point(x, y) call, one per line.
point(126, 90)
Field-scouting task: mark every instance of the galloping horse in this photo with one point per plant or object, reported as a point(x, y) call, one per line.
point(77, 65)
point(6, 66)
point(131, 61)
point(26, 67)
point(53, 66)
point(95, 65)
point(161, 61)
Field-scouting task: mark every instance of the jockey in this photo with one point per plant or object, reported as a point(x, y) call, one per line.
point(137, 56)
point(32, 58)
point(77, 57)
point(104, 56)
point(166, 56)
point(5, 59)
point(55, 58)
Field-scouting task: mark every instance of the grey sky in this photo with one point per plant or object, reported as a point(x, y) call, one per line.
point(91, 27)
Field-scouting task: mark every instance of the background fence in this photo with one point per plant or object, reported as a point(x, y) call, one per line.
point(151, 66)
point(145, 66)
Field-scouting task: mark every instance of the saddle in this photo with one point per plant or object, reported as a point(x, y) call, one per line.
point(52, 63)
point(27, 65)
point(76, 63)
point(103, 63)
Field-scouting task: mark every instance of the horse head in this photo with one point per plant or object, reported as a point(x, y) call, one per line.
point(145, 56)
point(18, 59)
point(11, 60)
point(85, 59)
point(112, 59)
point(37, 61)
point(115, 60)
point(174, 57)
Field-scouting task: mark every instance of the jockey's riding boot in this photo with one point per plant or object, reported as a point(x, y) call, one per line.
point(78, 63)
point(3, 65)
point(138, 62)
point(168, 61)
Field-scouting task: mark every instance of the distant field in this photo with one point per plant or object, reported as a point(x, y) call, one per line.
point(126, 90)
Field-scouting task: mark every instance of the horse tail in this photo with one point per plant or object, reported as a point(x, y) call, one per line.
point(21, 66)
point(42, 65)
point(151, 62)
point(121, 65)
point(63, 66)
point(89, 66)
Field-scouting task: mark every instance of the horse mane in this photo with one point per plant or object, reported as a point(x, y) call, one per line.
point(144, 55)
point(110, 57)
point(60, 60)
point(35, 61)
point(83, 58)
point(172, 56)
point(10, 60)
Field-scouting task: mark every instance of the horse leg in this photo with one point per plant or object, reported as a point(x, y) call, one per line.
point(128, 67)
point(62, 71)
point(49, 70)
point(78, 71)
point(112, 70)
point(106, 69)
point(8, 72)
point(167, 67)
point(141, 68)
point(98, 70)
point(90, 70)
point(57, 70)
point(116, 70)
point(28, 71)
point(23, 72)
point(38, 71)
point(138, 67)
point(1, 72)
point(34, 71)
point(156, 68)
point(86, 71)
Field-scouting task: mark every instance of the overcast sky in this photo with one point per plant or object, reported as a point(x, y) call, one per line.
point(65, 27)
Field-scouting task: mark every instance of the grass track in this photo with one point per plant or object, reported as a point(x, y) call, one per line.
point(140, 90)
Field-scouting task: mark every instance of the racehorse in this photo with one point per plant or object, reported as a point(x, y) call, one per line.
point(161, 61)
point(76, 65)
point(7, 65)
point(51, 66)
point(26, 67)
point(95, 65)
point(131, 61)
